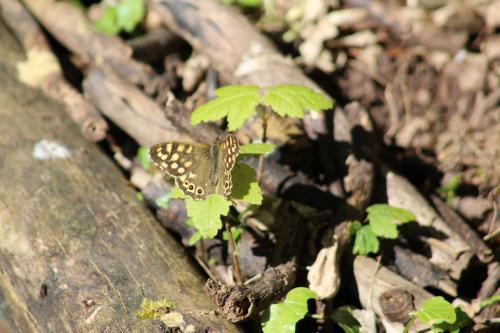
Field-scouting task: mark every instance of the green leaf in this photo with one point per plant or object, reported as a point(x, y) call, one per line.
point(235, 231)
point(365, 242)
point(245, 185)
point(143, 157)
point(250, 3)
point(206, 214)
point(237, 103)
point(489, 301)
point(176, 193)
point(462, 320)
point(107, 23)
point(256, 148)
point(382, 217)
point(194, 238)
point(243, 3)
point(344, 318)
point(163, 200)
point(292, 100)
point(354, 227)
point(282, 317)
point(437, 308)
point(129, 13)
point(450, 188)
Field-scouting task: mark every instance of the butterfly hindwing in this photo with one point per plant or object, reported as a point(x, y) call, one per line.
point(230, 149)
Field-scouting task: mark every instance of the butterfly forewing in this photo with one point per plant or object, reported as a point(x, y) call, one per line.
point(176, 158)
point(199, 170)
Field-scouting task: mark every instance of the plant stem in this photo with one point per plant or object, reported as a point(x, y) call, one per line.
point(409, 324)
point(232, 251)
point(264, 118)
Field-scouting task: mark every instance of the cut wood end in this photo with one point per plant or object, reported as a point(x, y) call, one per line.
point(236, 303)
point(94, 129)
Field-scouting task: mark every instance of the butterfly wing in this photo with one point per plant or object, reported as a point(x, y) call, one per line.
point(185, 162)
point(229, 151)
point(199, 170)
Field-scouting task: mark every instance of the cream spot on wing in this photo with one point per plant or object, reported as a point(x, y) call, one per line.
point(169, 147)
point(174, 165)
point(191, 175)
point(164, 165)
point(181, 170)
point(174, 157)
point(181, 148)
point(163, 156)
point(182, 178)
point(189, 149)
point(159, 150)
point(188, 164)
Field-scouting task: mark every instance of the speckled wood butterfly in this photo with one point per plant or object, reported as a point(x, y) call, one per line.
point(199, 169)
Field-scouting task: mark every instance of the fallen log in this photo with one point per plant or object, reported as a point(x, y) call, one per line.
point(78, 251)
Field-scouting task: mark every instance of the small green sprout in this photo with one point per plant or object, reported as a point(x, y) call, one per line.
point(282, 317)
point(381, 223)
point(440, 315)
point(124, 15)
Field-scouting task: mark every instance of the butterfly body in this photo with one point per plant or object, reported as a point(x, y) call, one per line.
point(199, 169)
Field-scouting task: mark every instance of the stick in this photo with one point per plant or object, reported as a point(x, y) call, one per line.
point(455, 222)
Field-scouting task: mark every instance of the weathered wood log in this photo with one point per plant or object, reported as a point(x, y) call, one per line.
point(417, 269)
point(42, 70)
point(133, 111)
point(451, 252)
point(78, 252)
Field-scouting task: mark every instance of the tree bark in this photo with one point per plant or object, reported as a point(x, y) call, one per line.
point(79, 253)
